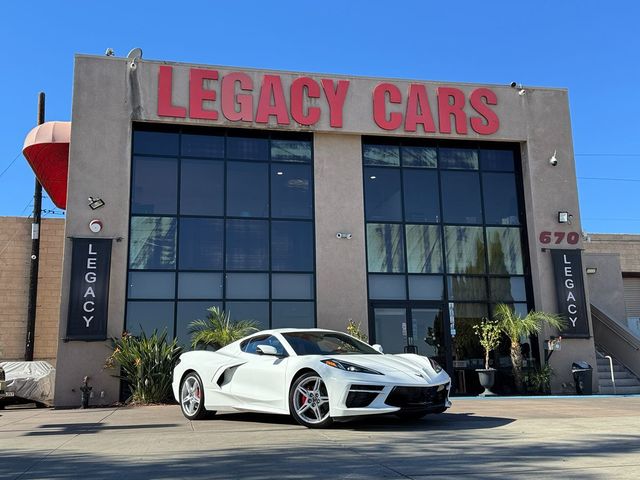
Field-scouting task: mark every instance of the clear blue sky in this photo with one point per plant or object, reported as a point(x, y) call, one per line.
point(590, 47)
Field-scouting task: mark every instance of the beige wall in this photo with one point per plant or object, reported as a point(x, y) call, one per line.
point(627, 246)
point(109, 95)
point(339, 207)
point(15, 251)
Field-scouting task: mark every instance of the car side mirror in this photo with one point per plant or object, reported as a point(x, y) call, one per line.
point(266, 350)
point(377, 347)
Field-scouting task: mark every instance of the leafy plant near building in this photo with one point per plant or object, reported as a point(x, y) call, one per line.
point(219, 330)
point(489, 334)
point(146, 364)
point(516, 327)
point(539, 380)
point(355, 330)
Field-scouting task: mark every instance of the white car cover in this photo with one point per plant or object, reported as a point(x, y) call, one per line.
point(31, 380)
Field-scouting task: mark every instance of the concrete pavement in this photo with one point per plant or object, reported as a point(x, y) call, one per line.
point(585, 438)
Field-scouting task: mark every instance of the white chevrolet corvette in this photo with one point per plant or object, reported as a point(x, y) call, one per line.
point(315, 375)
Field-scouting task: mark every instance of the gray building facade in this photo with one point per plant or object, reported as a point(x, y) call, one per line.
point(300, 199)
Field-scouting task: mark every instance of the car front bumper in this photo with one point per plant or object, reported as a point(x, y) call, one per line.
point(357, 398)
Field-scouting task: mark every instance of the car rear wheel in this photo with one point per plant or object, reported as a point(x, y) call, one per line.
point(309, 401)
point(192, 397)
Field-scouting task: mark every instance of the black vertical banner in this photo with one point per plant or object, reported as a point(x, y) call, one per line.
point(89, 290)
point(572, 305)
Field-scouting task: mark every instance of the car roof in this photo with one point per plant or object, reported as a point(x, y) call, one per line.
point(293, 330)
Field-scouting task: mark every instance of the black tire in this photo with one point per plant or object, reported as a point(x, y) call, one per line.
point(313, 408)
point(193, 409)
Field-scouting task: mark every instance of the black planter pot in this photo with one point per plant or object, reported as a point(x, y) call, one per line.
point(487, 377)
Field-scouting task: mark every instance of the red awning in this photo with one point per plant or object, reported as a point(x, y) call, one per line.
point(46, 148)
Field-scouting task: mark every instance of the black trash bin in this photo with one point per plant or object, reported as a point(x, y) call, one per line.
point(582, 375)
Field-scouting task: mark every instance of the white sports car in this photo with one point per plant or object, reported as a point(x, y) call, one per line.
point(315, 375)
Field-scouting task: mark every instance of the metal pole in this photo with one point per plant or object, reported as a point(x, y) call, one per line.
point(35, 253)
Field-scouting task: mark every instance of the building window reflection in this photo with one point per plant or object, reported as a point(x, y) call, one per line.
point(444, 231)
point(213, 214)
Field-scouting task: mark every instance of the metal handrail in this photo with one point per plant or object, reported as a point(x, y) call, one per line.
point(613, 378)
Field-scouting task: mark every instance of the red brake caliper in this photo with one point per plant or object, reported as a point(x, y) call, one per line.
point(197, 393)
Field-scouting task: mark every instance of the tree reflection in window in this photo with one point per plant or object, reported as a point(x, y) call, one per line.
point(153, 243)
point(385, 247)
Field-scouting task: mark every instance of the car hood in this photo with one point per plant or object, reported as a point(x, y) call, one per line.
point(412, 366)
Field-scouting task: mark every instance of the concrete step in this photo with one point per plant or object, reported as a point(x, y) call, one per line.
point(605, 365)
point(616, 372)
point(616, 369)
point(620, 382)
point(620, 390)
point(605, 375)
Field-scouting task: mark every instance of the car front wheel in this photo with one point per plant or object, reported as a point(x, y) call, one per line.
point(309, 401)
point(192, 397)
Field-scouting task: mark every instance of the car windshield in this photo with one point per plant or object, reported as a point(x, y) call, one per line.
point(327, 343)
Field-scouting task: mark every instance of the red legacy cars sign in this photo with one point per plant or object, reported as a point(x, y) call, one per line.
point(232, 96)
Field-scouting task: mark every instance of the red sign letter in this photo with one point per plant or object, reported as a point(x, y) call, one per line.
point(418, 110)
point(271, 86)
point(229, 99)
point(335, 99)
point(165, 107)
point(197, 93)
point(379, 108)
point(297, 103)
point(479, 99)
point(446, 109)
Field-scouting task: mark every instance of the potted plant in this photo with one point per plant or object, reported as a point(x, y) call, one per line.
point(488, 332)
point(516, 327)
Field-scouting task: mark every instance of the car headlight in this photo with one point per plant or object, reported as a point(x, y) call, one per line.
point(436, 366)
point(349, 367)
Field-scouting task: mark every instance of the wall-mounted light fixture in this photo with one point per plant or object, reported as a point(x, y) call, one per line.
point(344, 235)
point(591, 270)
point(564, 217)
point(95, 203)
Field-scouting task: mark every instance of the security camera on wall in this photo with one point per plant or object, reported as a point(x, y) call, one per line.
point(553, 160)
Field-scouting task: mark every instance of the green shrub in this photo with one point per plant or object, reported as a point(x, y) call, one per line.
point(539, 380)
point(146, 365)
point(355, 330)
point(219, 330)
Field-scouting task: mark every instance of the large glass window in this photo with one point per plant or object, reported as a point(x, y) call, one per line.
point(385, 247)
point(383, 193)
point(155, 185)
point(201, 187)
point(444, 224)
point(220, 218)
point(461, 197)
point(247, 189)
point(291, 191)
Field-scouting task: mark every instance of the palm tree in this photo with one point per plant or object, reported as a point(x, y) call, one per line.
point(515, 327)
point(219, 330)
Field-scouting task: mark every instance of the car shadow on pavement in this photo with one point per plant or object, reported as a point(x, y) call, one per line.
point(435, 422)
point(430, 423)
point(76, 428)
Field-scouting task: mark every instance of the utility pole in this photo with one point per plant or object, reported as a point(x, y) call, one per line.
point(35, 253)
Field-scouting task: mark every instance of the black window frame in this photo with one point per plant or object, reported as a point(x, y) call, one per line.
point(517, 171)
point(225, 133)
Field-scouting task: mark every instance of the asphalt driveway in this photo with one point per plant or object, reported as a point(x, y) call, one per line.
point(585, 438)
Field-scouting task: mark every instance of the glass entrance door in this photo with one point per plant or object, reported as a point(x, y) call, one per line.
point(402, 327)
